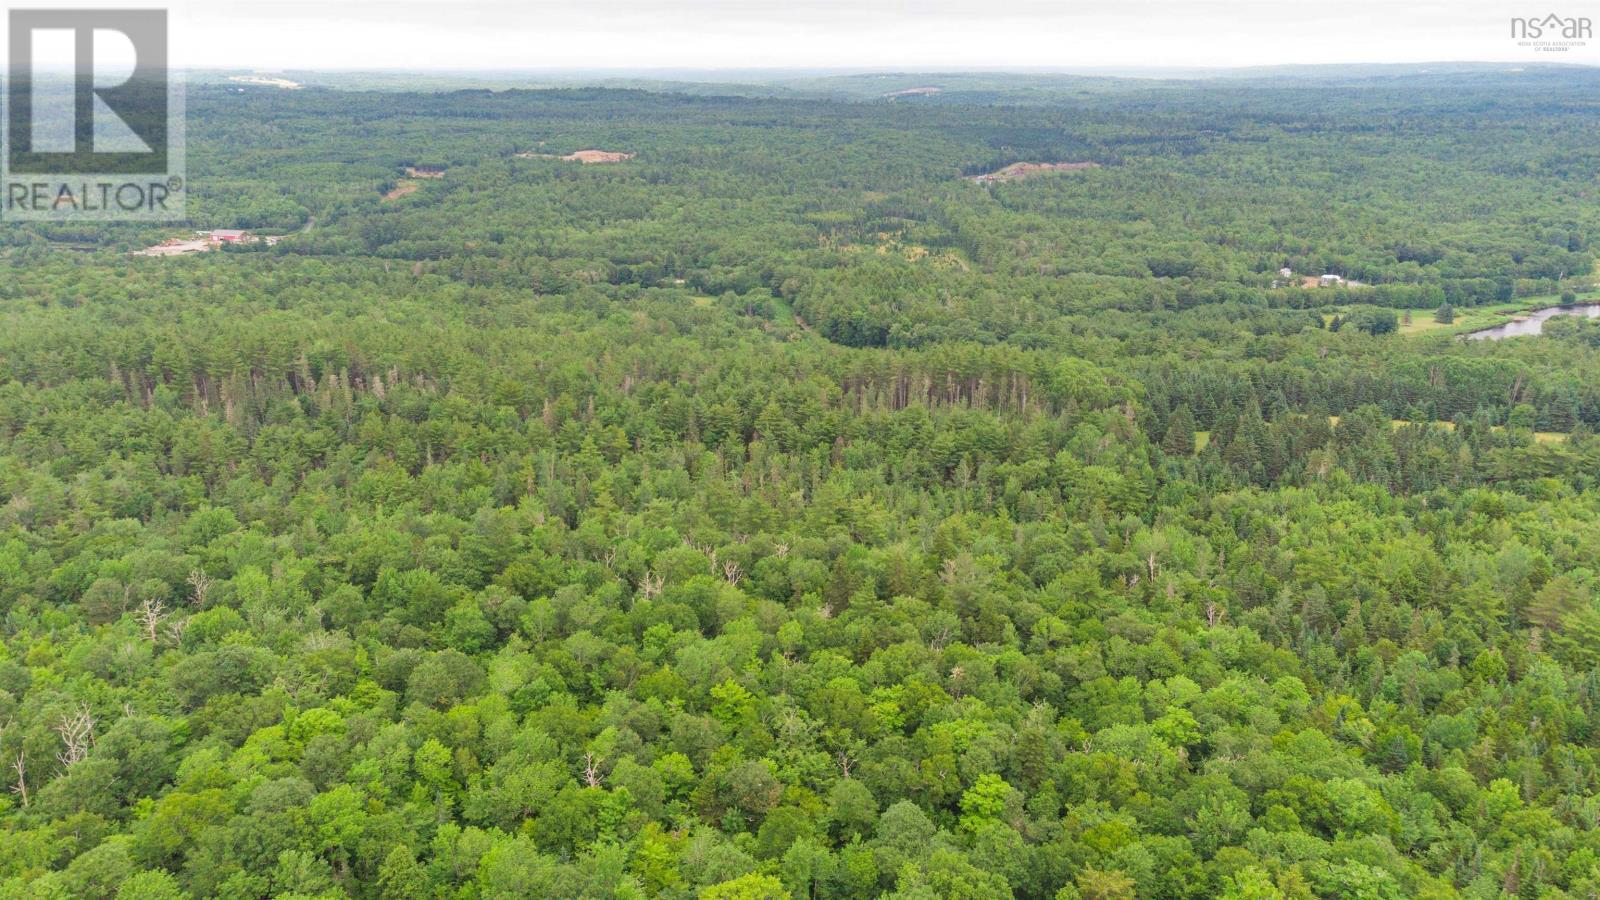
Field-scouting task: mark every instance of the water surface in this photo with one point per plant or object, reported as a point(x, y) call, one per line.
point(1533, 323)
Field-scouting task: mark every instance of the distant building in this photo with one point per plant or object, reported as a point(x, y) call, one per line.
point(1330, 280)
point(229, 236)
point(1286, 271)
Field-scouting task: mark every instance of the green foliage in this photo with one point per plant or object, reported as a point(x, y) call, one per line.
point(779, 514)
point(747, 887)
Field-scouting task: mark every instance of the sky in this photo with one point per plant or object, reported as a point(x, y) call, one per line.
point(1062, 35)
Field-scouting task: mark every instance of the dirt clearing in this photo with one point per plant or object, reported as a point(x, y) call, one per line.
point(404, 187)
point(1020, 170)
point(589, 157)
point(177, 247)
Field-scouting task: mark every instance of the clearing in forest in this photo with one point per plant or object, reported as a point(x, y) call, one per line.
point(267, 81)
point(402, 188)
point(176, 247)
point(588, 157)
point(1020, 170)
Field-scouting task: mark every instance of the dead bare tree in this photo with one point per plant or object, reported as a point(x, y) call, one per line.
point(591, 770)
point(710, 552)
point(732, 572)
point(650, 585)
point(957, 673)
point(77, 736)
point(200, 582)
point(950, 572)
point(20, 766)
point(793, 724)
point(152, 612)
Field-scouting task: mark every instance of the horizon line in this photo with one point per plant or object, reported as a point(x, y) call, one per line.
point(870, 69)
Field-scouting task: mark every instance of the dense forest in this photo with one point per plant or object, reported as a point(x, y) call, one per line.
point(784, 512)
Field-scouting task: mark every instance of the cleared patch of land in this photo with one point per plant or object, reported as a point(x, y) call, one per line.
point(1471, 318)
point(425, 171)
point(204, 241)
point(267, 81)
point(589, 157)
point(404, 187)
point(176, 247)
point(1020, 170)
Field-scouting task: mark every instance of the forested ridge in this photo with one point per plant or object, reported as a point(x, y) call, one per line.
point(781, 513)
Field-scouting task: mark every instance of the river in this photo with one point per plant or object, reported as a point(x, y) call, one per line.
point(1533, 323)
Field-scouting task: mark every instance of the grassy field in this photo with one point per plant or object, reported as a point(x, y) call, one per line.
point(1480, 317)
point(782, 312)
point(1470, 319)
point(1467, 320)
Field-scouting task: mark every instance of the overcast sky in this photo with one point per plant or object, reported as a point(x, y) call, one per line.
point(699, 34)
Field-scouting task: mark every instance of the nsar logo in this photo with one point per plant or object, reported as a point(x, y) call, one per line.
point(1552, 32)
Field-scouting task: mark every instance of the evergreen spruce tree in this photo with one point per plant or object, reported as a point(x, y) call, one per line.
point(1179, 440)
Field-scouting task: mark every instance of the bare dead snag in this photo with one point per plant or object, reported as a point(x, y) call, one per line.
point(77, 736)
point(20, 766)
point(152, 612)
point(200, 583)
point(650, 585)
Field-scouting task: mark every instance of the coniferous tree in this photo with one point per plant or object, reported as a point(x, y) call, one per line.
point(1180, 438)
